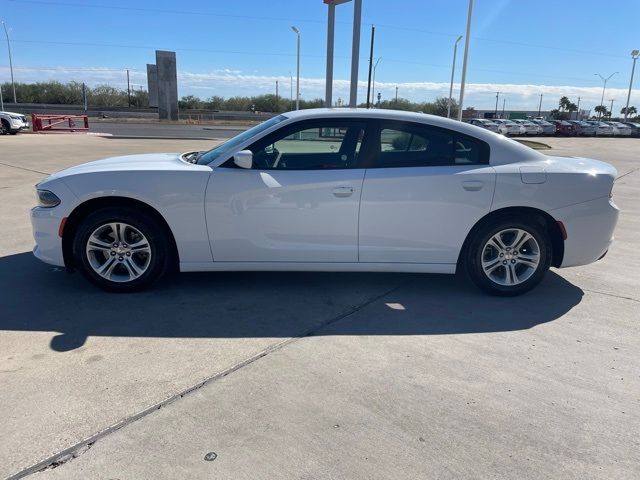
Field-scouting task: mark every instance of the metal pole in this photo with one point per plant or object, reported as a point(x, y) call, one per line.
point(331, 23)
point(495, 113)
point(634, 55)
point(373, 87)
point(355, 53)
point(504, 100)
point(277, 102)
point(13, 85)
point(604, 87)
point(290, 91)
point(373, 34)
point(396, 95)
point(84, 97)
point(578, 110)
point(453, 71)
point(297, 32)
point(611, 109)
point(128, 89)
point(466, 57)
point(1, 100)
point(540, 105)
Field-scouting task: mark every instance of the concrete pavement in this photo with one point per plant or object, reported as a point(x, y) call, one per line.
point(402, 376)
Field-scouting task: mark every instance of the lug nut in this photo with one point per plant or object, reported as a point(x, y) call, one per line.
point(128, 254)
point(504, 262)
point(124, 245)
point(113, 253)
point(120, 258)
point(115, 245)
point(502, 254)
point(513, 261)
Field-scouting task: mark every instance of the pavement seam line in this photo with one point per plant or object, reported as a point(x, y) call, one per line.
point(73, 452)
point(612, 295)
point(24, 168)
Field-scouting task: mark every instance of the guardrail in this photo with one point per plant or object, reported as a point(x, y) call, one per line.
point(59, 123)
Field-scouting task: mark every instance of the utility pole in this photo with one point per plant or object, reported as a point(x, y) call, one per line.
point(504, 101)
point(578, 110)
point(128, 89)
point(634, 54)
point(465, 60)
point(373, 85)
point(13, 84)
point(355, 53)
point(297, 32)
point(495, 113)
point(611, 109)
point(373, 34)
point(540, 106)
point(1, 100)
point(453, 71)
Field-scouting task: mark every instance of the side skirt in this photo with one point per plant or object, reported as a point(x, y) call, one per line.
point(448, 268)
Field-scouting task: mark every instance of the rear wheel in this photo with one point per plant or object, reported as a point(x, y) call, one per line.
point(122, 250)
point(509, 257)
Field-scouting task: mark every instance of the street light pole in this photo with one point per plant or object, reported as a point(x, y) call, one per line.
point(504, 101)
point(373, 34)
point(495, 113)
point(128, 89)
point(634, 54)
point(604, 87)
point(13, 85)
point(290, 91)
point(396, 96)
point(578, 110)
point(453, 71)
point(297, 32)
point(464, 61)
point(611, 109)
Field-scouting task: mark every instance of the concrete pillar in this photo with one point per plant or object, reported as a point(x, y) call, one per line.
point(167, 85)
point(152, 84)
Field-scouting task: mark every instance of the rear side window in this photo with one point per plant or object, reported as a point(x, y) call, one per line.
point(401, 144)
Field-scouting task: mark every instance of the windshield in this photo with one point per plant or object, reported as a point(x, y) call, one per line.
point(232, 143)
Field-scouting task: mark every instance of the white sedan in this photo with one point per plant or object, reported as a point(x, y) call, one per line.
point(332, 190)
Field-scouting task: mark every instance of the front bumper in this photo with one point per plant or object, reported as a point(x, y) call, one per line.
point(590, 226)
point(45, 223)
point(17, 125)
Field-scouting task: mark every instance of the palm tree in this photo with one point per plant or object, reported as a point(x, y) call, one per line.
point(630, 112)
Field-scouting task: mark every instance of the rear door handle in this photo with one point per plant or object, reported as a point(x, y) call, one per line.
point(343, 192)
point(472, 185)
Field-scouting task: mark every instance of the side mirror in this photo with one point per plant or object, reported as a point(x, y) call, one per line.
point(244, 159)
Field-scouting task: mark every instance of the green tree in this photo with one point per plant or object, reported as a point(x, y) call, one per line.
point(602, 111)
point(631, 111)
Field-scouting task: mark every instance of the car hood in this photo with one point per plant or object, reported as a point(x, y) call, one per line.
point(13, 113)
point(151, 161)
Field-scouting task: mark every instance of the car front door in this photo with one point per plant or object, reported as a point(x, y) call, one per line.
point(299, 202)
point(424, 190)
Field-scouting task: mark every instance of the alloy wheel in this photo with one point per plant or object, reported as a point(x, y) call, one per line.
point(510, 257)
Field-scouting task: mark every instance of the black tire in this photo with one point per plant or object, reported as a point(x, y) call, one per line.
point(476, 251)
point(4, 127)
point(156, 265)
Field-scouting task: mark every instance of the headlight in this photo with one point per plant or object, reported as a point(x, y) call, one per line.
point(47, 199)
point(15, 117)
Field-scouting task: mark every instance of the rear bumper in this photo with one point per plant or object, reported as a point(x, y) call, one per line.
point(590, 226)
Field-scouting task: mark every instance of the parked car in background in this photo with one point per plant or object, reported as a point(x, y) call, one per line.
point(484, 123)
point(564, 128)
point(602, 129)
point(12, 123)
point(622, 129)
point(512, 128)
point(548, 128)
point(584, 129)
point(530, 127)
point(332, 190)
point(635, 128)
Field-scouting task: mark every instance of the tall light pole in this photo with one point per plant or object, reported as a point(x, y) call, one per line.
point(604, 87)
point(373, 35)
point(13, 85)
point(373, 87)
point(495, 113)
point(290, 91)
point(464, 61)
point(453, 71)
point(297, 32)
point(1, 100)
point(578, 116)
point(540, 106)
point(611, 109)
point(504, 101)
point(396, 96)
point(634, 54)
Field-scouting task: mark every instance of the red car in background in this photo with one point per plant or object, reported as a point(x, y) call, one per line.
point(564, 128)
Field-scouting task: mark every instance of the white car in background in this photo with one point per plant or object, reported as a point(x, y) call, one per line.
point(12, 123)
point(602, 129)
point(548, 128)
point(620, 129)
point(509, 128)
point(529, 127)
point(332, 190)
point(486, 124)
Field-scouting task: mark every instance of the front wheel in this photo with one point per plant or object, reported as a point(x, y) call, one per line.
point(509, 257)
point(122, 250)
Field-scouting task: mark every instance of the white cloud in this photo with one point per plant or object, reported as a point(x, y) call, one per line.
point(229, 82)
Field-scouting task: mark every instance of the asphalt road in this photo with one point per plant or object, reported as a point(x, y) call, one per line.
point(165, 131)
point(314, 375)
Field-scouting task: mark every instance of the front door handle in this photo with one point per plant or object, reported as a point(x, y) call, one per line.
point(472, 185)
point(343, 192)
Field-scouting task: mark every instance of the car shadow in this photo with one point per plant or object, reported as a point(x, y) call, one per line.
point(38, 297)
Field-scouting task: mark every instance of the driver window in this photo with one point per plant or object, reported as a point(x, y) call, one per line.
point(311, 147)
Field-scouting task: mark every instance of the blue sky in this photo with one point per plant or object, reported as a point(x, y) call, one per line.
point(240, 47)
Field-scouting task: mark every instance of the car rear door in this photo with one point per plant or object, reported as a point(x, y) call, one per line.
point(300, 201)
point(424, 190)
